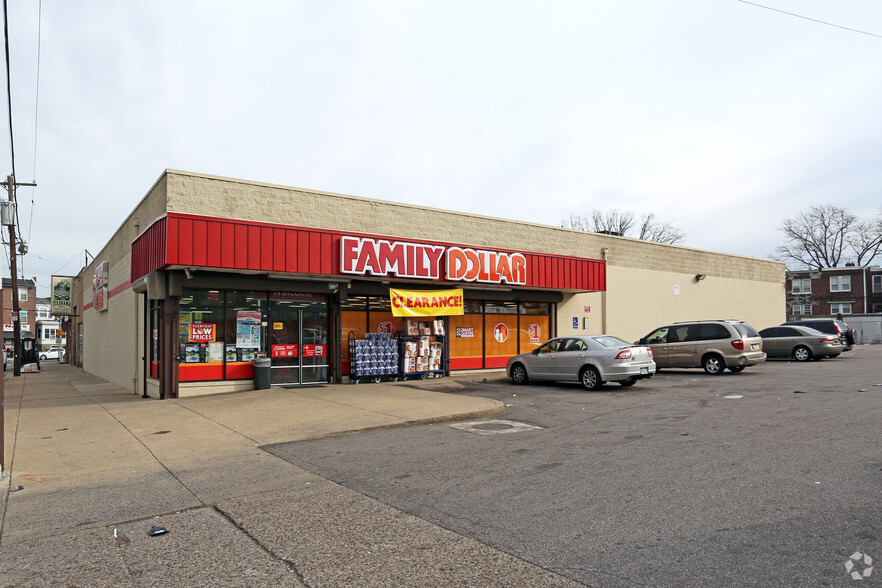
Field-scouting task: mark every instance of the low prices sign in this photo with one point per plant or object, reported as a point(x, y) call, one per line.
point(284, 351)
point(426, 302)
point(202, 332)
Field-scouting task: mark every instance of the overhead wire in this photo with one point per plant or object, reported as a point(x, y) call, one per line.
point(8, 86)
point(36, 112)
point(811, 19)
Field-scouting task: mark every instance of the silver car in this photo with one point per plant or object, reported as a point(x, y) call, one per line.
point(591, 360)
point(800, 343)
point(711, 344)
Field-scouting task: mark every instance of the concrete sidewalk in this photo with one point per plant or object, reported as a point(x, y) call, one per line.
point(99, 466)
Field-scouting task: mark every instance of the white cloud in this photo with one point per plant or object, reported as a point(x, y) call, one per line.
point(721, 117)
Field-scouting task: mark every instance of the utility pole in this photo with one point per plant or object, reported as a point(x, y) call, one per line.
point(16, 305)
point(16, 316)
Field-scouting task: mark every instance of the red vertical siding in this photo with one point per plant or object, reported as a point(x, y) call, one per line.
point(290, 251)
point(188, 240)
point(302, 252)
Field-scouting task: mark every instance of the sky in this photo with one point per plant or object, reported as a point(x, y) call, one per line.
point(719, 116)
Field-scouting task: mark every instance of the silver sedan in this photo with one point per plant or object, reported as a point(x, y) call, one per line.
point(591, 360)
point(800, 343)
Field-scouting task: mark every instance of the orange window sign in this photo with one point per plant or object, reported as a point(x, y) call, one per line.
point(202, 332)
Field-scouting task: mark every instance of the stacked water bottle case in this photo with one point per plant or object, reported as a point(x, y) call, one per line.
point(374, 356)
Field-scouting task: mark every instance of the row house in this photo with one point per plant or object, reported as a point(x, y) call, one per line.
point(834, 290)
point(27, 300)
point(49, 332)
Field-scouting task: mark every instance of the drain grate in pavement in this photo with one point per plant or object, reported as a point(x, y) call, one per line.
point(494, 427)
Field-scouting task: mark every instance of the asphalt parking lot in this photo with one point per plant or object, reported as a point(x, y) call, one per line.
point(772, 476)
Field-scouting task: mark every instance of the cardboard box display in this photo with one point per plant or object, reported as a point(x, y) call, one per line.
point(438, 327)
point(411, 327)
point(425, 328)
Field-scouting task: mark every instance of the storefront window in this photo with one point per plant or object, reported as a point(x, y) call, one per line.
point(381, 319)
point(535, 308)
point(466, 341)
point(491, 332)
point(220, 332)
point(201, 335)
point(245, 315)
point(353, 324)
point(501, 307)
point(501, 328)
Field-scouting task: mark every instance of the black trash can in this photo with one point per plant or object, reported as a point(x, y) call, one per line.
point(261, 368)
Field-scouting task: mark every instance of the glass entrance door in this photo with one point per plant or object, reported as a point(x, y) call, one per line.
point(298, 328)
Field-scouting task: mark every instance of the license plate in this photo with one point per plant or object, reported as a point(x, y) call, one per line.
point(754, 346)
point(644, 370)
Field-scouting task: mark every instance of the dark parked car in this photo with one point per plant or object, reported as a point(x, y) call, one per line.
point(831, 327)
point(800, 343)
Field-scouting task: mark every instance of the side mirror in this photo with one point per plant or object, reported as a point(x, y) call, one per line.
point(535, 351)
point(642, 341)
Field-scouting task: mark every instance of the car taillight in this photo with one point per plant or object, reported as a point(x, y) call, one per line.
point(649, 351)
point(738, 344)
point(828, 340)
point(626, 354)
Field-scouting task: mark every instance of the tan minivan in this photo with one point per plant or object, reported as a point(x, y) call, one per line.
point(712, 345)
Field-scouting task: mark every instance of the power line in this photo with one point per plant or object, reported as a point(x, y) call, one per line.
point(36, 112)
point(811, 19)
point(8, 86)
point(37, 98)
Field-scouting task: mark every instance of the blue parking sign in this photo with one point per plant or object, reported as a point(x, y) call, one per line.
point(575, 322)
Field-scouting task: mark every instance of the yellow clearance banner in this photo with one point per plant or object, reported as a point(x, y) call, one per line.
point(426, 302)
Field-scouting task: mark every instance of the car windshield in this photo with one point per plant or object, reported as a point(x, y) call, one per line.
point(745, 330)
point(610, 341)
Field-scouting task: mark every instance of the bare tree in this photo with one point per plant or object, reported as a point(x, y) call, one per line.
point(827, 236)
point(651, 230)
point(620, 222)
point(866, 241)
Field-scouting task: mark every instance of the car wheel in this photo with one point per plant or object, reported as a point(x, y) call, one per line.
point(519, 374)
point(629, 382)
point(736, 368)
point(42, 358)
point(713, 364)
point(802, 353)
point(590, 378)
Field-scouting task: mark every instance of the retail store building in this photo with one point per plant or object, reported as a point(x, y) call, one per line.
point(207, 273)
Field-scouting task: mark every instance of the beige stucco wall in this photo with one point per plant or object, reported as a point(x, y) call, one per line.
point(641, 276)
point(113, 340)
point(111, 343)
point(639, 300)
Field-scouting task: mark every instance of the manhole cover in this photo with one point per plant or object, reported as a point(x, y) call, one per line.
point(495, 427)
